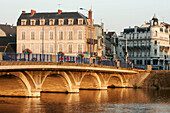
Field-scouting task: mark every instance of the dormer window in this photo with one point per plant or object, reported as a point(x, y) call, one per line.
point(70, 21)
point(42, 21)
point(61, 21)
point(80, 21)
point(51, 22)
point(23, 22)
point(32, 22)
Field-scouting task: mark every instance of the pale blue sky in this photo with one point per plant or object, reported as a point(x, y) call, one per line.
point(116, 14)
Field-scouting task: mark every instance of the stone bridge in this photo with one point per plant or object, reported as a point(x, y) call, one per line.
point(29, 79)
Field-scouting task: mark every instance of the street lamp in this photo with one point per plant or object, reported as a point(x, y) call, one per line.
point(126, 53)
point(146, 48)
point(90, 17)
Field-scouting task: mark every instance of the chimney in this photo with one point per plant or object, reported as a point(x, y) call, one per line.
point(59, 11)
point(32, 12)
point(136, 27)
point(23, 11)
point(90, 14)
point(107, 31)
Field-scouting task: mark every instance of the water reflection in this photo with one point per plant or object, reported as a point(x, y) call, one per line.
point(111, 100)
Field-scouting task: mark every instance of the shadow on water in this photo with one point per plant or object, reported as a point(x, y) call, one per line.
point(111, 100)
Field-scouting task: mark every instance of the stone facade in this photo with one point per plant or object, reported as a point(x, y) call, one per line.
point(149, 42)
point(50, 33)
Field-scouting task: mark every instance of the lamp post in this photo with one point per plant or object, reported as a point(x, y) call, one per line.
point(90, 16)
point(146, 48)
point(126, 53)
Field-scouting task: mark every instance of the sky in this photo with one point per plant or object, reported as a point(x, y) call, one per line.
point(115, 14)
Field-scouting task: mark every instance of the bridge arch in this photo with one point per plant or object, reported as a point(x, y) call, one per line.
point(116, 80)
point(56, 82)
point(90, 81)
point(15, 84)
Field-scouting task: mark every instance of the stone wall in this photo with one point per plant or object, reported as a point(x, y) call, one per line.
point(159, 79)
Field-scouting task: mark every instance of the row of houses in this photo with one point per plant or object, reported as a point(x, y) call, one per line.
point(73, 33)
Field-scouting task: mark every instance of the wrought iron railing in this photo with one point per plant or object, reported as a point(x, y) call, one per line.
point(59, 58)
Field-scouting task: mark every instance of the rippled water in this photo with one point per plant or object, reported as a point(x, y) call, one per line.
point(111, 100)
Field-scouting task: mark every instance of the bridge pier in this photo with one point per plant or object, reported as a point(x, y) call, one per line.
point(35, 94)
point(103, 88)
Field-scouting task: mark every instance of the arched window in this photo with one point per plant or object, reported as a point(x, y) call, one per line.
point(156, 33)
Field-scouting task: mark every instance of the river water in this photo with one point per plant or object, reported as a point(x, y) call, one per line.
point(110, 101)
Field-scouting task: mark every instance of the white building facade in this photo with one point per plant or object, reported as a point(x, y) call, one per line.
point(50, 33)
point(149, 42)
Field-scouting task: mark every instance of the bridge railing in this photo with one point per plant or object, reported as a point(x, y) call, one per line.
point(126, 65)
point(71, 59)
point(137, 66)
point(105, 62)
point(26, 57)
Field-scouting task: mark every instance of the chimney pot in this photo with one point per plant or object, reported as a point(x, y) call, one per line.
point(32, 12)
point(59, 11)
point(23, 11)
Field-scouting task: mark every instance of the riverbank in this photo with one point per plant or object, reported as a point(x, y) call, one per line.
point(159, 79)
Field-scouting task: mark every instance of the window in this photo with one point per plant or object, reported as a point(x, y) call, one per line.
point(23, 22)
point(129, 36)
point(137, 35)
point(60, 48)
point(70, 21)
point(51, 22)
point(79, 48)
point(161, 29)
point(51, 48)
point(156, 42)
point(70, 35)
point(80, 35)
point(80, 21)
point(32, 22)
point(32, 35)
point(156, 34)
point(23, 35)
point(70, 49)
point(61, 22)
point(155, 51)
point(41, 35)
point(61, 35)
point(51, 35)
point(42, 21)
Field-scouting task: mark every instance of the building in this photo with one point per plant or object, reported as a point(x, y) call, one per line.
point(49, 33)
point(149, 42)
point(7, 38)
point(111, 44)
point(99, 36)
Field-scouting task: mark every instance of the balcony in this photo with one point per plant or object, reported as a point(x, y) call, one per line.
point(92, 41)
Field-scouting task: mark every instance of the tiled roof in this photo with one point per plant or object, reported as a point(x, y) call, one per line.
point(131, 30)
point(54, 15)
point(11, 48)
point(10, 35)
point(109, 33)
point(5, 40)
point(9, 30)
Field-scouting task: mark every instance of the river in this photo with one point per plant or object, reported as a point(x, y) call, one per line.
point(110, 101)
